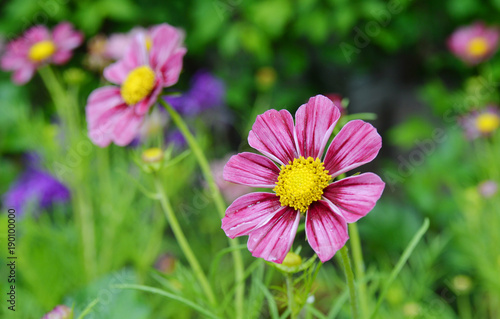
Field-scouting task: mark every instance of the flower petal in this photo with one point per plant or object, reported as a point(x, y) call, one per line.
point(65, 37)
point(142, 107)
point(356, 144)
point(314, 123)
point(249, 212)
point(100, 101)
point(171, 70)
point(326, 231)
point(252, 170)
point(355, 196)
point(273, 240)
point(165, 39)
point(61, 57)
point(23, 74)
point(272, 135)
point(135, 56)
point(36, 34)
point(127, 127)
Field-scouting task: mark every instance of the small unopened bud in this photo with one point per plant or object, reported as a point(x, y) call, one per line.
point(411, 309)
point(265, 78)
point(461, 284)
point(292, 260)
point(152, 155)
point(74, 76)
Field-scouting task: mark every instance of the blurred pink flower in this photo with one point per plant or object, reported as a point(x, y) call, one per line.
point(481, 122)
point(229, 190)
point(294, 167)
point(488, 188)
point(115, 114)
point(118, 43)
point(39, 46)
point(474, 43)
point(59, 312)
point(337, 101)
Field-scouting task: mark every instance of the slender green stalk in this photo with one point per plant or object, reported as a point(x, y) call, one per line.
point(183, 243)
point(464, 308)
point(401, 262)
point(219, 203)
point(350, 282)
point(359, 268)
point(289, 292)
point(82, 209)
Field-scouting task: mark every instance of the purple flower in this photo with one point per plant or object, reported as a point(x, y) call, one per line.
point(488, 188)
point(206, 92)
point(35, 186)
point(59, 312)
point(176, 138)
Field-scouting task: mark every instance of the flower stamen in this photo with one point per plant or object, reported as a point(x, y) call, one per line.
point(138, 84)
point(301, 183)
point(487, 122)
point(41, 50)
point(478, 47)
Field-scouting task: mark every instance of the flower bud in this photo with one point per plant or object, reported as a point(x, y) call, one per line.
point(265, 78)
point(461, 284)
point(292, 260)
point(152, 155)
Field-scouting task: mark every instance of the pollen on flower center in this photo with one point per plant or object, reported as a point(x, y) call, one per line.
point(478, 46)
point(41, 50)
point(487, 122)
point(301, 183)
point(138, 84)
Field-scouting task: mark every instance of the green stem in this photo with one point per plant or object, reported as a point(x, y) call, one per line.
point(359, 267)
point(83, 210)
point(464, 308)
point(219, 203)
point(350, 281)
point(289, 289)
point(183, 243)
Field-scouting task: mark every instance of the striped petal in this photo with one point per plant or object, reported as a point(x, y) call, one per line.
point(249, 212)
point(355, 196)
point(273, 240)
point(314, 125)
point(272, 135)
point(326, 231)
point(356, 144)
point(252, 170)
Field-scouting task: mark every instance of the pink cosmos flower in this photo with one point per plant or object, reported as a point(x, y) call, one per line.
point(115, 113)
point(301, 178)
point(39, 46)
point(481, 123)
point(474, 43)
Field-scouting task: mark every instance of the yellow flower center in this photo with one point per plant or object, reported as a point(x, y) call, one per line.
point(138, 84)
point(41, 50)
point(478, 47)
point(152, 155)
point(302, 182)
point(487, 122)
